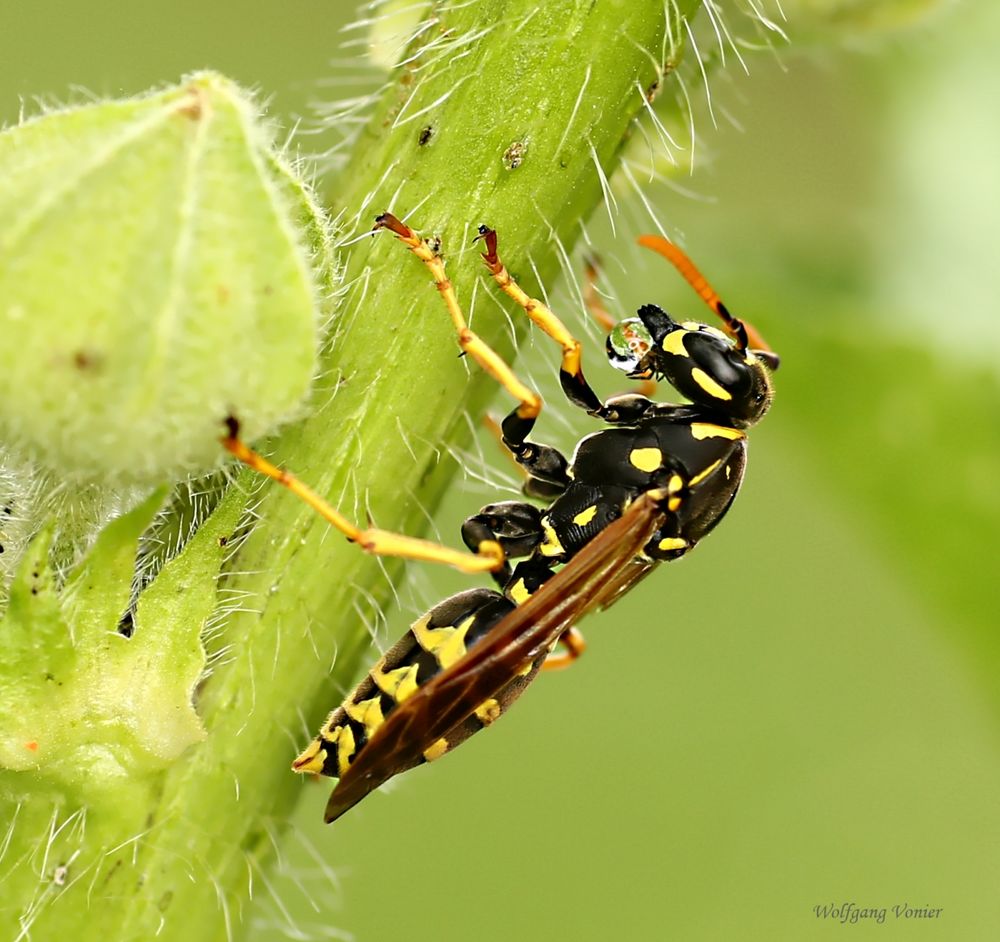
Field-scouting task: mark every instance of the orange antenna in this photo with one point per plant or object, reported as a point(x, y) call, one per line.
point(743, 333)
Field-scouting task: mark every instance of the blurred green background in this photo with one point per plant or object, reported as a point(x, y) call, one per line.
point(805, 712)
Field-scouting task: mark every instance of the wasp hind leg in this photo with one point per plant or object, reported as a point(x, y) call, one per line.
point(489, 554)
point(573, 645)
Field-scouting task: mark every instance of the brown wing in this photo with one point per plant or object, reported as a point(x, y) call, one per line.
point(597, 575)
point(623, 581)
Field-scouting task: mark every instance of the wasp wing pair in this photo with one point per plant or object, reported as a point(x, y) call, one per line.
point(514, 648)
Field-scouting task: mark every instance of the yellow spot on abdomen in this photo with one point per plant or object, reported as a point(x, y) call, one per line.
point(710, 385)
point(585, 516)
point(447, 643)
point(368, 713)
point(346, 747)
point(436, 749)
point(454, 648)
point(313, 757)
point(673, 543)
point(488, 711)
point(646, 459)
point(398, 684)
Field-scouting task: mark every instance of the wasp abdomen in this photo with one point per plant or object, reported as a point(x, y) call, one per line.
point(434, 642)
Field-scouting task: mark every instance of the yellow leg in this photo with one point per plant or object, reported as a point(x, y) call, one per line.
point(574, 645)
point(591, 298)
point(536, 311)
point(530, 403)
point(490, 556)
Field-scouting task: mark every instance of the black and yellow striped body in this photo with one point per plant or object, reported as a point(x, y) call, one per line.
point(434, 643)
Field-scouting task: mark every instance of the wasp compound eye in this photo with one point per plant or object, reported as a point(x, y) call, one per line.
point(628, 345)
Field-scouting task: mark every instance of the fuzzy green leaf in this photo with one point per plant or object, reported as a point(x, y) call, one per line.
point(82, 703)
point(155, 280)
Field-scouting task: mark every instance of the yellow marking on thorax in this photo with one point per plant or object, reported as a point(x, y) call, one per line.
point(368, 713)
point(673, 504)
point(675, 484)
point(710, 385)
point(673, 543)
point(674, 343)
point(436, 749)
point(399, 683)
point(585, 516)
point(519, 592)
point(703, 430)
point(701, 475)
point(346, 746)
point(646, 459)
point(551, 545)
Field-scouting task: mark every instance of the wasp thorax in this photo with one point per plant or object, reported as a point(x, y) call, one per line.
point(629, 344)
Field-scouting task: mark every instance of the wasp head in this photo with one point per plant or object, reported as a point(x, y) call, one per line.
point(700, 361)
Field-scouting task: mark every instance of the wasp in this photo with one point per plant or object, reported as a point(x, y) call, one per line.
point(644, 489)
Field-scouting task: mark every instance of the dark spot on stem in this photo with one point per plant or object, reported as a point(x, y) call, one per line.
point(514, 155)
point(126, 624)
point(87, 360)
